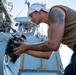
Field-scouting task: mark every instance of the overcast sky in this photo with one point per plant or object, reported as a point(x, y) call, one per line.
point(19, 5)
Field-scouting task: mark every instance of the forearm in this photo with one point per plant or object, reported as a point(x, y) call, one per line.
point(44, 46)
point(34, 53)
point(38, 54)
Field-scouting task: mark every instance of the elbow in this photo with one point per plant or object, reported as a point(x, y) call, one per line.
point(54, 46)
point(47, 57)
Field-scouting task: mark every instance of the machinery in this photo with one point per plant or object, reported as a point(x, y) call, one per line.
point(9, 63)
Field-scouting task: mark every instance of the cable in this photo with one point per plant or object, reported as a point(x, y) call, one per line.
point(20, 12)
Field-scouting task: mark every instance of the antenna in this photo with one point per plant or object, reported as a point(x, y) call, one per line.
point(20, 11)
point(27, 2)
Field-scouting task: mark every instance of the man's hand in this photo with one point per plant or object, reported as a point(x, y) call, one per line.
point(21, 48)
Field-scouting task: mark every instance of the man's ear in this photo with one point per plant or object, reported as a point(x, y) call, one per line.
point(40, 11)
point(37, 11)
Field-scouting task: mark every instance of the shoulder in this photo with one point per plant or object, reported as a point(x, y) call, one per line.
point(57, 9)
point(56, 15)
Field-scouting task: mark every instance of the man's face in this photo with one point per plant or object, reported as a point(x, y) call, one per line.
point(34, 17)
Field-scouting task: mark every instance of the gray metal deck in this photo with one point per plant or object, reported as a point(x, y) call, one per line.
point(39, 72)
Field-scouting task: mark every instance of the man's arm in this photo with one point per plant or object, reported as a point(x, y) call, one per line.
point(56, 30)
point(45, 55)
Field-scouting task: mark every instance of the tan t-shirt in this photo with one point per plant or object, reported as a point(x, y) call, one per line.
point(69, 37)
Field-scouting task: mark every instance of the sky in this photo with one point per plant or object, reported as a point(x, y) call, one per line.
point(19, 5)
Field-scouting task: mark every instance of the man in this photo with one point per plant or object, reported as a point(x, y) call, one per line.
point(62, 29)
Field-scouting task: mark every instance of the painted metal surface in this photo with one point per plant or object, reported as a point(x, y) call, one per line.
point(30, 62)
point(6, 66)
point(39, 72)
